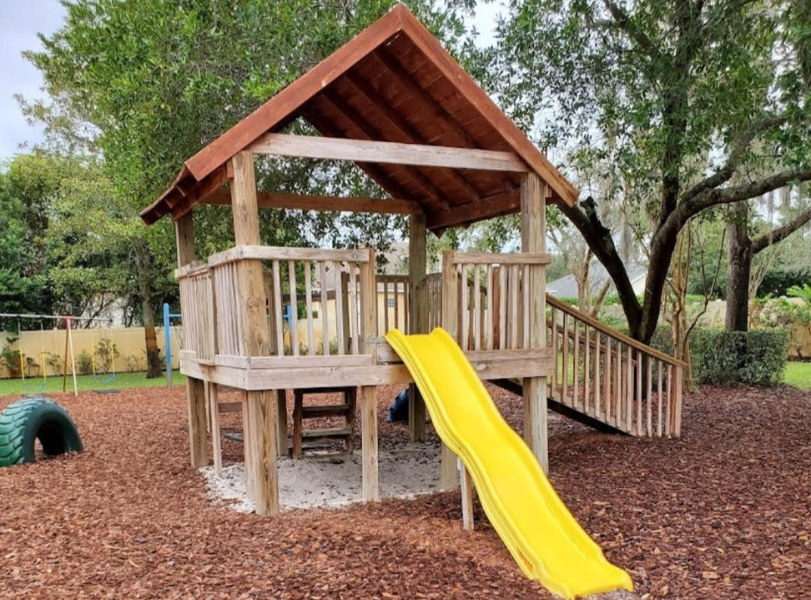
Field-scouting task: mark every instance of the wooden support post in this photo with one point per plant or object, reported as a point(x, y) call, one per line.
point(212, 393)
point(450, 322)
point(261, 416)
point(368, 394)
point(467, 497)
point(196, 397)
point(195, 388)
point(418, 313)
point(281, 422)
point(368, 425)
point(533, 239)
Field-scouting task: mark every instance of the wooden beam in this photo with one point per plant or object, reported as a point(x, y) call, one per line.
point(533, 240)
point(370, 151)
point(472, 93)
point(375, 172)
point(448, 476)
point(210, 185)
point(195, 388)
point(467, 497)
point(411, 134)
point(261, 412)
point(503, 203)
point(372, 134)
point(368, 394)
point(212, 393)
point(418, 313)
point(322, 203)
point(427, 103)
point(184, 236)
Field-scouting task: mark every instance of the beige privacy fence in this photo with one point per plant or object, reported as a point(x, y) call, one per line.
point(46, 349)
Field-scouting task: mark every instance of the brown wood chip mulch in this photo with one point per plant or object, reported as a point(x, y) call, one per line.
point(724, 513)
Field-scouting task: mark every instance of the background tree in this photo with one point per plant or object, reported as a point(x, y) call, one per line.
point(653, 88)
point(145, 84)
point(742, 282)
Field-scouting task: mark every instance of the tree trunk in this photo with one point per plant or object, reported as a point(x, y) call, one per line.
point(738, 269)
point(153, 359)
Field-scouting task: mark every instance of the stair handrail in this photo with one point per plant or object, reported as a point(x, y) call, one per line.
point(613, 333)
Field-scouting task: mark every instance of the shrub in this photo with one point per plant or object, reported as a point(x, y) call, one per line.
point(754, 357)
point(10, 358)
point(84, 363)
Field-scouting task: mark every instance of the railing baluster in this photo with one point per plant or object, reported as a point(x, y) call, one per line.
point(629, 390)
point(339, 306)
point(650, 397)
point(597, 352)
point(324, 307)
point(668, 396)
point(277, 305)
point(477, 309)
point(354, 313)
point(514, 318)
point(489, 321)
point(576, 365)
point(659, 431)
point(291, 275)
point(308, 299)
point(639, 361)
point(607, 377)
point(504, 293)
point(564, 377)
point(555, 353)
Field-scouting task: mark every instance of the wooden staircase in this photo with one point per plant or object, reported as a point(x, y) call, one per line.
point(609, 380)
point(302, 411)
point(603, 378)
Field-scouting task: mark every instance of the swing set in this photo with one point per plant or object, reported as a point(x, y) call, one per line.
point(110, 352)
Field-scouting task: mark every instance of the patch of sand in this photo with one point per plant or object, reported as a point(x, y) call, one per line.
point(331, 481)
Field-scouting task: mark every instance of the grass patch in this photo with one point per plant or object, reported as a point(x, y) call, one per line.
point(798, 374)
point(122, 381)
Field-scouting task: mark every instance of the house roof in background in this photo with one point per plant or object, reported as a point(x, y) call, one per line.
point(566, 286)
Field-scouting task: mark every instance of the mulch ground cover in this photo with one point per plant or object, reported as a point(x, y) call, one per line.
point(723, 513)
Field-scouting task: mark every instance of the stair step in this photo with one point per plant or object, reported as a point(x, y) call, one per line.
point(326, 410)
point(330, 433)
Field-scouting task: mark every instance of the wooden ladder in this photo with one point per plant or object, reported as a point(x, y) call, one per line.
point(314, 411)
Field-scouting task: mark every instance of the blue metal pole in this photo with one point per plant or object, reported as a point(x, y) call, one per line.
point(167, 337)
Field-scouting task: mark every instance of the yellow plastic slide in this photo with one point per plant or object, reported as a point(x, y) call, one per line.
point(539, 531)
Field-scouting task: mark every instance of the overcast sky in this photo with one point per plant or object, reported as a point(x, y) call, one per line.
point(19, 24)
point(20, 21)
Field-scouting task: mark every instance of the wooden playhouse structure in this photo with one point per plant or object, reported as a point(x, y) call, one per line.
point(397, 104)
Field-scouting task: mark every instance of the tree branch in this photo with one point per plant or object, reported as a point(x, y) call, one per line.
point(598, 237)
point(717, 196)
point(739, 147)
point(624, 21)
point(778, 235)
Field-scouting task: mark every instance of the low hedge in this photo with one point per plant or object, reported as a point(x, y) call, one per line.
point(753, 357)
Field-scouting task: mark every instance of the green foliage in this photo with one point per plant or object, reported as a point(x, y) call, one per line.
point(10, 357)
point(798, 374)
point(802, 292)
point(84, 363)
point(661, 111)
point(106, 353)
point(777, 282)
point(753, 357)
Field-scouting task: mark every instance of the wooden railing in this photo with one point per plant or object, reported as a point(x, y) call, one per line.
point(196, 290)
point(492, 299)
point(612, 377)
point(327, 291)
point(393, 288)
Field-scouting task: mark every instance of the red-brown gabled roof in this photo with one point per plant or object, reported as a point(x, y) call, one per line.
point(392, 82)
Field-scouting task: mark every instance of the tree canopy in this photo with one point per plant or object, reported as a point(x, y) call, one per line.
point(688, 104)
